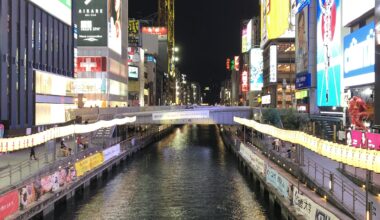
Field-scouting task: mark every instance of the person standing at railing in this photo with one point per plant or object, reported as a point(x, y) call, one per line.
point(32, 153)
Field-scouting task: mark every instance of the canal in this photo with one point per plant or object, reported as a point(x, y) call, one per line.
point(187, 175)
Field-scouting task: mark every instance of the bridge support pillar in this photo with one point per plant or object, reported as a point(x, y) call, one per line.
point(47, 210)
point(70, 195)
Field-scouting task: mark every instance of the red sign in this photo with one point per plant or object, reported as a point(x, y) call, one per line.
point(228, 63)
point(8, 204)
point(91, 64)
point(244, 81)
point(373, 141)
point(237, 63)
point(162, 32)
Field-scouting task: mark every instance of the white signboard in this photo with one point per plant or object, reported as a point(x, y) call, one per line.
point(111, 152)
point(265, 100)
point(180, 115)
point(309, 209)
point(257, 163)
point(273, 64)
point(277, 181)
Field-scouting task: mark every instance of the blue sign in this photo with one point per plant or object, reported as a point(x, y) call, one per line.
point(359, 56)
point(303, 80)
point(301, 4)
point(329, 55)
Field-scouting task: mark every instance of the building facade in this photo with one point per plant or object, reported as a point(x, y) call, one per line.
point(36, 68)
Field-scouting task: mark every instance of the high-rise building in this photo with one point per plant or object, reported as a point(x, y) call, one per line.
point(277, 42)
point(101, 63)
point(36, 65)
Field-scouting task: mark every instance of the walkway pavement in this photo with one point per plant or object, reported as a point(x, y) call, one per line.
point(320, 169)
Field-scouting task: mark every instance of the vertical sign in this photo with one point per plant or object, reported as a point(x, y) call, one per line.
point(329, 53)
point(377, 63)
point(273, 64)
point(256, 69)
point(228, 64)
point(237, 63)
point(302, 50)
point(244, 81)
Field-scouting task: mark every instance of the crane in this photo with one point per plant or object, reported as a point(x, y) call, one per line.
point(166, 16)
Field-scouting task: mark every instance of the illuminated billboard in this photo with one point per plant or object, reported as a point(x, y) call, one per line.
point(359, 56)
point(302, 47)
point(60, 9)
point(133, 72)
point(91, 64)
point(249, 35)
point(277, 19)
point(353, 9)
point(256, 80)
point(114, 25)
point(244, 40)
point(329, 52)
point(244, 81)
point(273, 64)
point(237, 63)
point(92, 23)
point(162, 32)
point(134, 36)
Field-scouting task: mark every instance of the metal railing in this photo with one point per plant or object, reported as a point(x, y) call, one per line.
point(14, 175)
point(342, 191)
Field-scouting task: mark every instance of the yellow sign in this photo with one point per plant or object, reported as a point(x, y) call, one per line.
point(301, 94)
point(275, 17)
point(357, 157)
point(88, 163)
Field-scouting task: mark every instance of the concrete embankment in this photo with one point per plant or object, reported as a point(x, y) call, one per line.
point(286, 197)
point(40, 195)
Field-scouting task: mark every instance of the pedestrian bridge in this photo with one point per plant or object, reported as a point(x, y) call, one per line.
point(166, 114)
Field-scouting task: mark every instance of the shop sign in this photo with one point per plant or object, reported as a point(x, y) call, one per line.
point(303, 80)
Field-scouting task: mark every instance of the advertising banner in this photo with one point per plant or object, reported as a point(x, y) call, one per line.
point(134, 36)
point(60, 9)
point(114, 25)
point(359, 56)
point(354, 138)
point(277, 19)
point(111, 152)
point(277, 181)
point(9, 203)
point(27, 195)
point(244, 81)
point(256, 161)
point(329, 52)
point(302, 46)
point(373, 141)
point(92, 23)
point(180, 115)
point(133, 72)
point(266, 100)
point(88, 163)
point(256, 79)
point(309, 209)
point(273, 64)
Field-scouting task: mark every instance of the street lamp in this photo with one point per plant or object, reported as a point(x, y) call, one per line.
point(176, 49)
point(176, 59)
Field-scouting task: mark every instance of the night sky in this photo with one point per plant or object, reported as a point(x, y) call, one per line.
point(207, 32)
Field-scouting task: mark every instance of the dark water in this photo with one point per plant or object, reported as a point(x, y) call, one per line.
point(187, 175)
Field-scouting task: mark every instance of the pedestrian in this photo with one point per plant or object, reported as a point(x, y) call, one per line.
point(32, 153)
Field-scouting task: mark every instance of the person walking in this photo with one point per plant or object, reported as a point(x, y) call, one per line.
point(32, 153)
